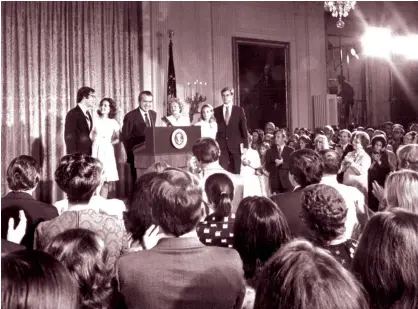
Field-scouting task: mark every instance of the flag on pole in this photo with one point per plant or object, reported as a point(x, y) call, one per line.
point(171, 80)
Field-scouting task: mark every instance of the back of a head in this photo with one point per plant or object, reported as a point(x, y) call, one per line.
point(332, 161)
point(324, 212)
point(206, 150)
point(176, 200)
point(386, 259)
point(157, 167)
point(23, 173)
point(78, 175)
point(34, 279)
point(260, 229)
point(219, 189)
point(138, 216)
point(401, 190)
point(306, 167)
point(83, 253)
point(302, 276)
point(408, 157)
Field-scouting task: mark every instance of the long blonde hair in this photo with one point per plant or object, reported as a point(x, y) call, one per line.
point(401, 190)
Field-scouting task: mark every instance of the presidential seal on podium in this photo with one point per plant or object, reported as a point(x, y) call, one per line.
point(179, 138)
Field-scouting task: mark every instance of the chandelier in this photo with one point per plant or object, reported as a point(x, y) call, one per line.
point(339, 9)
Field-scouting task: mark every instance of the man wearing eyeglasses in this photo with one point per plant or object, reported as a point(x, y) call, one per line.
point(79, 122)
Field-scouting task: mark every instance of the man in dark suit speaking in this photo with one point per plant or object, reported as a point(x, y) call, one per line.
point(134, 124)
point(232, 132)
point(79, 122)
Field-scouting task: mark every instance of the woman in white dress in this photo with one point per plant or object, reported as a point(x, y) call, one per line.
point(207, 122)
point(176, 119)
point(105, 134)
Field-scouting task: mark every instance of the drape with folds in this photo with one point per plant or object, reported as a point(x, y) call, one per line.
point(49, 50)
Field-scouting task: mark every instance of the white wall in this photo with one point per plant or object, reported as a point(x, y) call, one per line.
point(203, 46)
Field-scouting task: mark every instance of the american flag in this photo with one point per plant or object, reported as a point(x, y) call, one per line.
point(171, 80)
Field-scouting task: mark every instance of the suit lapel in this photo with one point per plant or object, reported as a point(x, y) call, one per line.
point(84, 121)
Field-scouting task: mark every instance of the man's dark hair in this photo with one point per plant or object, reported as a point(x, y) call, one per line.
point(145, 92)
point(206, 150)
point(306, 166)
point(176, 200)
point(23, 173)
point(332, 161)
point(83, 93)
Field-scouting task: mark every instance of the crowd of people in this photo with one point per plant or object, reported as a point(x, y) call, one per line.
point(309, 220)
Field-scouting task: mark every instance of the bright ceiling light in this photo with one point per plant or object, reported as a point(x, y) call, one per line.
point(377, 42)
point(406, 46)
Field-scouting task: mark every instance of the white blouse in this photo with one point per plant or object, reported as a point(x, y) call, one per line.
point(182, 121)
point(208, 129)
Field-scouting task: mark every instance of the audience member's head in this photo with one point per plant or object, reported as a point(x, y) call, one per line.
point(269, 128)
point(379, 143)
point(302, 276)
point(413, 127)
point(280, 137)
point(397, 132)
point(345, 136)
point(260, 229)
point(401, 190)
point(410, 138)
point(321, 142)
point(293, 141)
point(324, 212)
point(138, 216)
point(262, 149)
point(329, 132)
point(79, 175)
point(386, 260)
point(379, 132)
point(387, 127)
point(332, 161)
point(360, 140)
point(220, 192)
point(176, 200)
point(370, 132)
point(206, 150)
point(305, 142)
point(83, 253)
point(407, 156)
point(157, 167)
point(34, 279)
point(268, 138)
point(23, 174)
point(305, 167)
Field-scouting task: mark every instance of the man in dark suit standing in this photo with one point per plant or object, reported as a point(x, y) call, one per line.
point(179, 271)
point(134, 124)
point(232, 132)
point(79, 122)
point(306, 167)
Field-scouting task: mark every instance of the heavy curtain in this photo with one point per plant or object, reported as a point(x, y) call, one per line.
point(49, 50)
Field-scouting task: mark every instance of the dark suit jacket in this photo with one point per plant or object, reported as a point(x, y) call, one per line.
point(181, 273)
point(8, 246)
point(229, 137)
point(133, 130)
point(278, 173)
point(289, 203)
point(35, 211)
point(77, 132)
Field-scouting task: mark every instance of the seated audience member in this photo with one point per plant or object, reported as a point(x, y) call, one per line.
point(386, 260)
point(397, 137)
point(305, 168)
point(180, 271)
point(357, 214)
point(305, 142)
point(138, 216)
point(206, 151)
point(321, 143)
point(217, 228)
point(302, 276)
point(83, 253)
point(34, 279)
point(79, 175)
point(408, 157)
point(260, 230)
point(325, 213)
point(410, 138)
point(401, 190)
point(356, 164)
point(23, 175)
point(157, 167)
point(379, 169)
point(277, 163)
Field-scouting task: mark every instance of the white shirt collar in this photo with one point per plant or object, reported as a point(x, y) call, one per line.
point(84, 109)
point(329, 179)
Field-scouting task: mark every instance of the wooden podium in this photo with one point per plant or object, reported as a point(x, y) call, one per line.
point(171, 145)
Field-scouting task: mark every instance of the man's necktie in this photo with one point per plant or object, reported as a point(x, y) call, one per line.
point(147, 122)
point(89, 119)
point(226, 114)
point(279, 149)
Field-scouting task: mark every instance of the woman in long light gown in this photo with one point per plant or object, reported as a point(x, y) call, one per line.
point(105, 135)
point(207, 122)
point(176, 119)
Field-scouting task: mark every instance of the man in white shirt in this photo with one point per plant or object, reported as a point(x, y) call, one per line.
point(358, 213)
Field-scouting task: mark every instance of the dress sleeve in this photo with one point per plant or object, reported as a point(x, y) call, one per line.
point(364, 164)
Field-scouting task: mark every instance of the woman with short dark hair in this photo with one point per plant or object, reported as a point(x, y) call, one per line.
point(34, 279)
point(83, 253)
point(217, 228)
point(302, 276)
point(386, 260)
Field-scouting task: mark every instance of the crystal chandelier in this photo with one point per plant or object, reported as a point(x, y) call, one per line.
point(339, 9)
